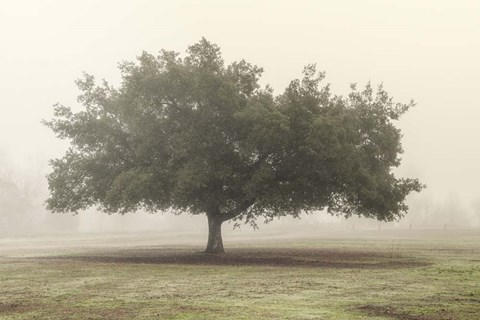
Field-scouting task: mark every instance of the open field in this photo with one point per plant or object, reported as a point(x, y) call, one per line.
point(389, 274)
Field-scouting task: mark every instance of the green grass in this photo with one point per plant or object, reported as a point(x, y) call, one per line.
point(369, 275)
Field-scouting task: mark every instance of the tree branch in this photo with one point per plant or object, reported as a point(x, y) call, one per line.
point(238, 210)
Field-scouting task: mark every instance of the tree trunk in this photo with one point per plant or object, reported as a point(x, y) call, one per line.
point(215, 243)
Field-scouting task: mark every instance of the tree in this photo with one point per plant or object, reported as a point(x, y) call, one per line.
point(194, 135)
point(16, 202)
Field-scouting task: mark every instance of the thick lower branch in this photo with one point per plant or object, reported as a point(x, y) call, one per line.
point(239, 210)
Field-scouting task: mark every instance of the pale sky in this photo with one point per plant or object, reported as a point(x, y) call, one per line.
point(426, 50)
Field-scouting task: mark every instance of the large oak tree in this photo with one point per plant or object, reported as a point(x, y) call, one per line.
point(192, 134)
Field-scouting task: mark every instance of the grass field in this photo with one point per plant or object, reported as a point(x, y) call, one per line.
point(357, 275)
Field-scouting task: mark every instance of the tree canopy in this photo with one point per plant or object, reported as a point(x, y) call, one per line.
point(192, 134)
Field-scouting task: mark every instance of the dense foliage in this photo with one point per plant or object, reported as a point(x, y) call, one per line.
point(195, 135)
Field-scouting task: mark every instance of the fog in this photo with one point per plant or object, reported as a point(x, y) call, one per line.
point(428, 51)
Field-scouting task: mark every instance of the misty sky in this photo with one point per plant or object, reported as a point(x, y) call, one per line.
point(425, 50)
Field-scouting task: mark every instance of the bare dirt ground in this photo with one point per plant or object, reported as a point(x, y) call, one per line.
point(272, 257)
